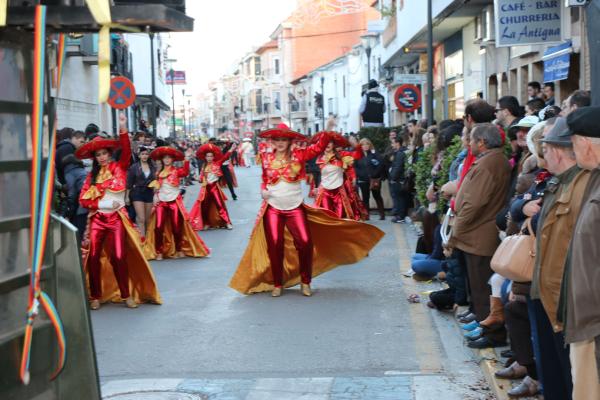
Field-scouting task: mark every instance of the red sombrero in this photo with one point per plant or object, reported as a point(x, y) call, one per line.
point(337, 139)
point(160, 152)
point(282, 131)
point(208, 148)
point(98, 143)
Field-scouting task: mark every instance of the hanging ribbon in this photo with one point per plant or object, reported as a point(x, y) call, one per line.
point(3, 9)
point(41, 201)
point(100, 10)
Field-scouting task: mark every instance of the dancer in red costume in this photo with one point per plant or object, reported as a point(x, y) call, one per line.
point(112, 242)
point(288, 234)
point(209, 210)
point(332, 194)
point(169, 231)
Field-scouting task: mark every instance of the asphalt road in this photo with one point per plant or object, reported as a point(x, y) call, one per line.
point(356, 338)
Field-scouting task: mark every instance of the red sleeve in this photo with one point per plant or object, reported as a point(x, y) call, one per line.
point(125, 159)
point(87, 203)
point(357, 154)
point(314, 149)
point(223, 158)
point(185, 170)
point(263, 184)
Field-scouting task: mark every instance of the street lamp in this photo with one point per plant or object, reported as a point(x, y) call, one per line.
point(172, 74)
point(429, 64)
point(368, 42)
point(152, 73)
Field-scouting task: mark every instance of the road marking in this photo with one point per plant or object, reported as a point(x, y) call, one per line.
point(427, 348)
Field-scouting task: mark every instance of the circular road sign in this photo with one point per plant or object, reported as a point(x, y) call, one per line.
point(122, 93)
point(408, 98)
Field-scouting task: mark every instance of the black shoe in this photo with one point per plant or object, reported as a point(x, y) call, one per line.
point(485, 343)
point(507, 353)
point(469, 318)
point(234, 197)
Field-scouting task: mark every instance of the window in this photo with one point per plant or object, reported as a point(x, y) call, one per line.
point(257, 67)
point(277, 100)
point(276, 66)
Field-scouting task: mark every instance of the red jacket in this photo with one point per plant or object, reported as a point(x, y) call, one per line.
point(113, 177)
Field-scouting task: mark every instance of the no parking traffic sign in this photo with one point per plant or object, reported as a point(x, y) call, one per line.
point(122, 93)
point(408, 98)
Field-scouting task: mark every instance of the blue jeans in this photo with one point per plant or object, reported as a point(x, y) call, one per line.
point(423, 265)
point(400, 200)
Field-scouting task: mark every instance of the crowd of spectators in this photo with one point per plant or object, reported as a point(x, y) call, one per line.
point(501, 171)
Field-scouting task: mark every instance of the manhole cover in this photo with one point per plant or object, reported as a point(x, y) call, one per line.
point(156, 395)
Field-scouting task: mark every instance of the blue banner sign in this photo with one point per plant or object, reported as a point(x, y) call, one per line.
point(527, 22)
point(557, 61)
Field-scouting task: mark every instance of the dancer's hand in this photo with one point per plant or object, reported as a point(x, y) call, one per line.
point(265, 194)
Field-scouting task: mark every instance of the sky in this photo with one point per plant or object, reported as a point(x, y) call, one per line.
point(224, 31)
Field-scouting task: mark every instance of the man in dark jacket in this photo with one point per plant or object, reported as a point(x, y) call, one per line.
point(75, 175)
point(372, 106)
point(396, 182)
point(579, 305)
point(68, 141)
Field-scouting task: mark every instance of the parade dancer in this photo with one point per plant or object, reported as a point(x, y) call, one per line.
point(110, 233)
point(358, 207)
point(333, 163)
point(228, 178)
point(288, 233)
point(170, 233)
point(209, 210)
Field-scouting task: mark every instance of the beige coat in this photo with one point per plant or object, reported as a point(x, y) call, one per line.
point(481, 196)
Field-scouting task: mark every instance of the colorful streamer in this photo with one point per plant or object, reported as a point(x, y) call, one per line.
point(41, 200)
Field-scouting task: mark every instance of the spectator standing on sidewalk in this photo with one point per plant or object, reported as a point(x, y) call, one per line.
point(372, 106)
point(534, 90)
point(549, 93)
point(579, 306)
point(562, 202)
point(400, 196)
point(476, 206)
point(508, 112)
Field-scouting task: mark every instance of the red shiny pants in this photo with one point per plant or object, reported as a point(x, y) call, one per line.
point(168, 211)
point(332, 200)
point(295, 220)
point(213, 194)
point(107, 229)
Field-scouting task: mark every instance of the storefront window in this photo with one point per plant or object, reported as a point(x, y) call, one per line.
point(456, 100)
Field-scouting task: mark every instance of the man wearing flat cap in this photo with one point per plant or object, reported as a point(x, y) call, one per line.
point(579, 307)
point(556, 219)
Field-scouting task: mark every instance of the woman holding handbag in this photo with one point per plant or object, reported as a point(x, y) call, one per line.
point(369, 171)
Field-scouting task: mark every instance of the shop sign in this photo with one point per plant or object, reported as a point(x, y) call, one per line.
point(407, 98)
point(176, 77)
point(528, 22)
point(557, 61)
point(415, 79)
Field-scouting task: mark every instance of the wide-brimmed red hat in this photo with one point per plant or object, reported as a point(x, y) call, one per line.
point(98, 143)
point(282, 131)
point(337, 139)
point(160, 152)
point(208, 148)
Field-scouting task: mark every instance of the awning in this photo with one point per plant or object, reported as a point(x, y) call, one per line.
point(143, 99)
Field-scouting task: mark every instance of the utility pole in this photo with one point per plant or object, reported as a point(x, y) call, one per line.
point(152, 77)
point(172, 72)
point(323, 102)
point(429, 64)
point(183, 108)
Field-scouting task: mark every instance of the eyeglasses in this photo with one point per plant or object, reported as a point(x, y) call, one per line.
point(499, 109)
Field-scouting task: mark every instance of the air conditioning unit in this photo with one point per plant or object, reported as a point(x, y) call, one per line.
point(576, 3)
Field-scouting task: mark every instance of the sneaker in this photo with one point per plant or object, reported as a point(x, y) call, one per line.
point(398, 220)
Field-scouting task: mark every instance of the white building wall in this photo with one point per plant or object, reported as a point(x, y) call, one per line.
point(472, 65)
point(77, 103)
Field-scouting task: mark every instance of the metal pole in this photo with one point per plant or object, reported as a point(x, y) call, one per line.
point(153, 108)
point(368, 51)
point(429, 64)
point(173, 101)
point(323, 102)
point(183, 108)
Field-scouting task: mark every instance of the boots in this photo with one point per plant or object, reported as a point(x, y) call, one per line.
point(380, 209)
point(496, 316)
